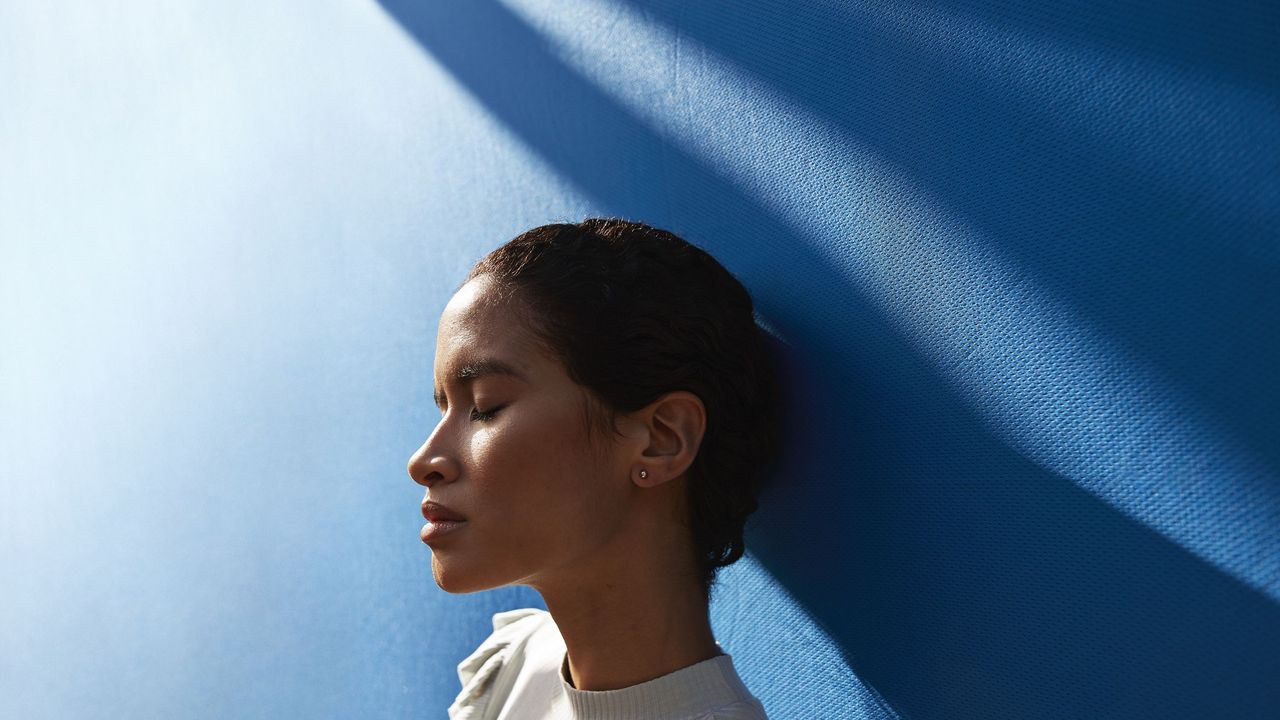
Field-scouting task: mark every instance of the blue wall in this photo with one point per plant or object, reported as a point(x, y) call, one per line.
point(1023, 259)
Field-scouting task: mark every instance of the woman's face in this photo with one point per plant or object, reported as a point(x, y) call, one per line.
point(511, 454)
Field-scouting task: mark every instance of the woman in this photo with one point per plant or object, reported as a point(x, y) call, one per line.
point(608, 413)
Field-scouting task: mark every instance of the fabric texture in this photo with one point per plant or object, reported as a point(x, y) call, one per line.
point(521, 672)
point(1021, 261)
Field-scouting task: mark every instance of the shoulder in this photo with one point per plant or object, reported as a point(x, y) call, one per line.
point(510, 629)
point(523, 618)
point(481, 673)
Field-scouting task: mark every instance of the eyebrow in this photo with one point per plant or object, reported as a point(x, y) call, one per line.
point(477, 369)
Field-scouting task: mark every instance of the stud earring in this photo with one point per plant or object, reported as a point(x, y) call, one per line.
point(644, 474)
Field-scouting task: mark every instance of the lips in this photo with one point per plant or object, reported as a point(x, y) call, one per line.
point(435, 512)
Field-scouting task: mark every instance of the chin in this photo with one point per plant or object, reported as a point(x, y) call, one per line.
point(457, 580)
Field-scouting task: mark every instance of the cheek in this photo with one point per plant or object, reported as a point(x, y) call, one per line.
point(530, 456)
point(539, 471)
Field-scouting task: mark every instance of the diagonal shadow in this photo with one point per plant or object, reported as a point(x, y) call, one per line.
point(960, 579)
point(1178, 283)
point(1233, 40)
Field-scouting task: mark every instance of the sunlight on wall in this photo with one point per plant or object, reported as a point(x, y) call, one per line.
point(224, 244)
point(1058, 390)
point(747, 592)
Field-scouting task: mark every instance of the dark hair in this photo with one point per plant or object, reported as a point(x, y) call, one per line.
point(635, 312)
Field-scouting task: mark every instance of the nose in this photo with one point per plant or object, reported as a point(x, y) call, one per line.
point(431, 464)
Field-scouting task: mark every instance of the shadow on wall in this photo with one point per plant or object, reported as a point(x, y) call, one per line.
point(959, 578)
point(1151, 226)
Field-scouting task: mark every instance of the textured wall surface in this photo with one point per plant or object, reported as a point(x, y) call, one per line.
point(1023, 258)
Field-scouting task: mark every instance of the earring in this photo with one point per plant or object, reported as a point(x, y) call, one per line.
point(644, 474)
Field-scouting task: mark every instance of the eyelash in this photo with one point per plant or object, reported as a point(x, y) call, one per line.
point(484, 416)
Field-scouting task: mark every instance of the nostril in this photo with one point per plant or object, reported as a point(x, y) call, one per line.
point(427, 470)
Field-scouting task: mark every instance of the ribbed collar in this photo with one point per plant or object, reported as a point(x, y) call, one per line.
point(688, 691)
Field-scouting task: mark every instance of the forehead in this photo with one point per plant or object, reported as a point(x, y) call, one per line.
point(475, 325)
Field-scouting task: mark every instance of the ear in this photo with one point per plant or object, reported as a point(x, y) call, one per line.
point(674, 424)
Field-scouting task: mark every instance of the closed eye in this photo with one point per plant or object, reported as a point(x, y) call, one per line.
point(478, 415)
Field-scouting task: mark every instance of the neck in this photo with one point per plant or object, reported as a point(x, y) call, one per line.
point(626, 622)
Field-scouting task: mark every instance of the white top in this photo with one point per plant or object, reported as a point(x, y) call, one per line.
point(521, 672)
